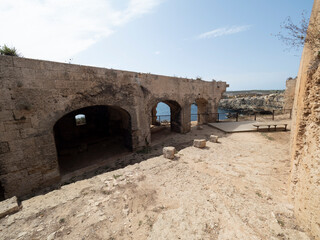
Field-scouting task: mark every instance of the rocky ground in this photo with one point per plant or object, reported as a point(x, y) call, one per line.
point(234, 189)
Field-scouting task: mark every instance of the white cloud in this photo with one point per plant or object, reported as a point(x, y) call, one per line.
point(157, 52)
point(224, 31)
point(59, 29)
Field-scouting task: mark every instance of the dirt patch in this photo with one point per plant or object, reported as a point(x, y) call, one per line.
point(234, 189)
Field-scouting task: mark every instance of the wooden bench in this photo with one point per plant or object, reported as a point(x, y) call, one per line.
point(270, 124)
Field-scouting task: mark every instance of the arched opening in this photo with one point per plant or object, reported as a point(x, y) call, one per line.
point(194, 114)
point(199, 111)
point(92, 135)
point(166, 115)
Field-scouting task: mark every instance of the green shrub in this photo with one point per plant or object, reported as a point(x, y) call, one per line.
point(5, 50)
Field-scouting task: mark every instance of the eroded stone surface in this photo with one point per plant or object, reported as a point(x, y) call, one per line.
point(4, 147)
point(305, 140)
point(8, 207)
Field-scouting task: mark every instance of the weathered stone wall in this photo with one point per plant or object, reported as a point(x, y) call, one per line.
point(305, 138)
point(289, 93)
point(35, 94)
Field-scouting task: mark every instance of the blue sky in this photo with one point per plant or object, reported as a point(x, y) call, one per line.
point(227, 40)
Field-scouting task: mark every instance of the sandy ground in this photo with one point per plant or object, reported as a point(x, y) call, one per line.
point(234, 189)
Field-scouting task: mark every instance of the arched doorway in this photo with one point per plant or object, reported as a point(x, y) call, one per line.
point(171, 115)
point(91, 135)
point(165, 116)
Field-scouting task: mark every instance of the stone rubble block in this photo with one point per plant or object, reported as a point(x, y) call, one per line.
point(214, 138)
point(9, 206)
point(168, 152)
point(199, 143)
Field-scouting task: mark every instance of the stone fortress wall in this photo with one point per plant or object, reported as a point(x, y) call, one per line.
point(35, 96)
point(305, 137)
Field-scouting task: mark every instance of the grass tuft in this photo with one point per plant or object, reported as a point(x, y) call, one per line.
point(5, 50)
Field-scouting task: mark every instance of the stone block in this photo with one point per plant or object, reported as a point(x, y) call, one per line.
point(27, 73)
point(214, 138)
point(5, 95)
point(6, 115)
point(63, 84)
point(25, 63)
point(8, 81)
point(54, 66)
point(4, 147)
point(19, 114)
point(28, 132)
point(50, 149)
point(44, 139)
point(199, 143)
point(168, 152)
point(6, 61)
point(9, 136)
point(6, 104)
point(9, 206)
point(47, 75)
point(17, 125)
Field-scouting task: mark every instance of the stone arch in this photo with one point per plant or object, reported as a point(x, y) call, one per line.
point(175, 113)
point(69, 107)
point(106, 132)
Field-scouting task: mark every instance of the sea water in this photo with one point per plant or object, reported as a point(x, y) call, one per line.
point(163, 110)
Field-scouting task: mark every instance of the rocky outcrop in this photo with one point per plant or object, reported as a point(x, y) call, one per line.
point(254, 103)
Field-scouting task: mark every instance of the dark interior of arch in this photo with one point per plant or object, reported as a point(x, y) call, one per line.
point(2, 197)
point(175, 115)
point(105, 133)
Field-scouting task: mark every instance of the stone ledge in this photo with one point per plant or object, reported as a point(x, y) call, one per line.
point(9, 206)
